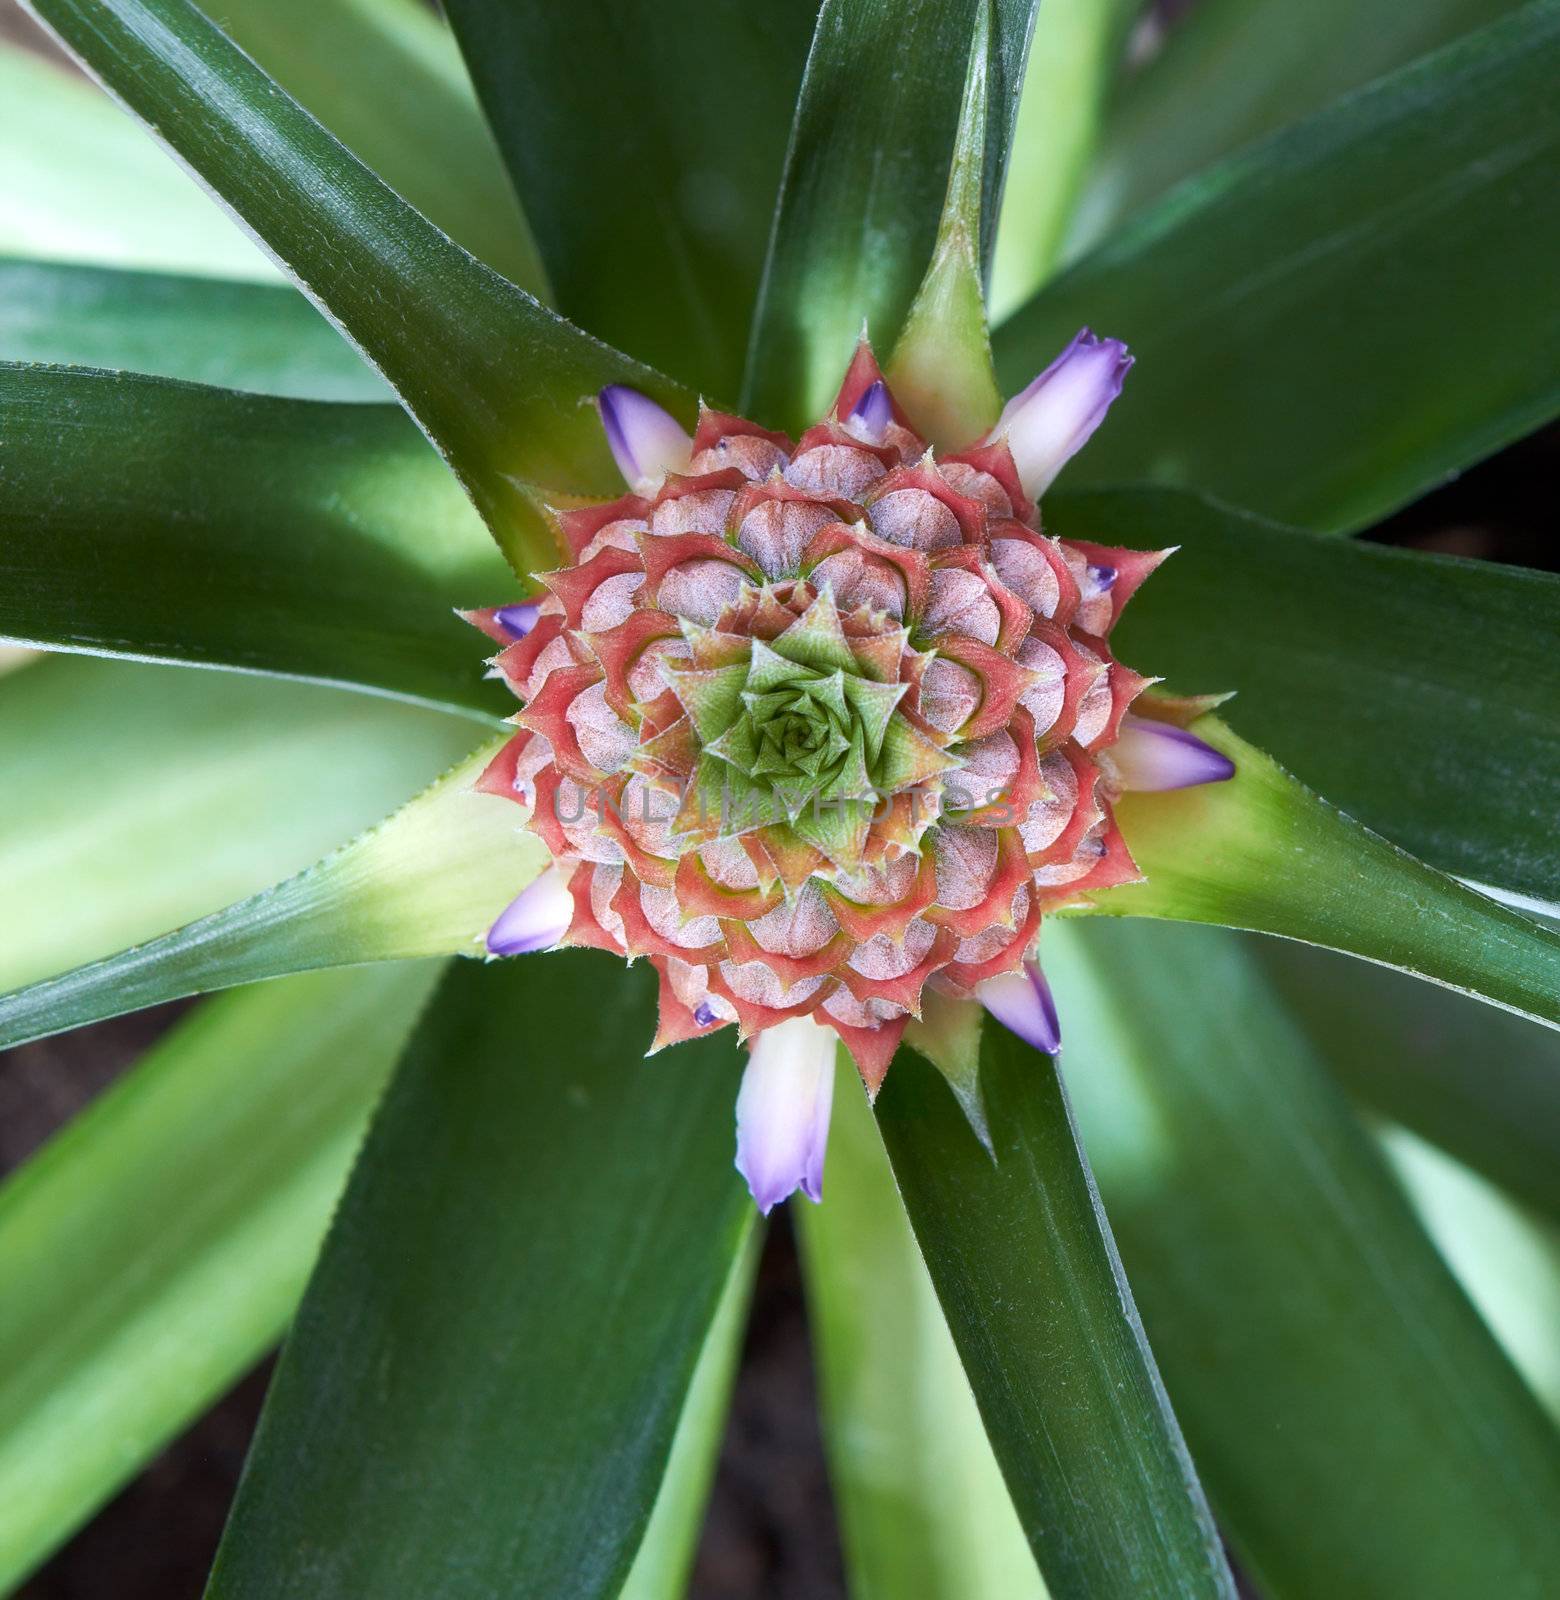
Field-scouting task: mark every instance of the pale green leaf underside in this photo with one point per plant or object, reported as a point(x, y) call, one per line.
point(428, 881)
point(1347, 1410)
point(1330, 323)
point(155, 1249)
point(80, 182)
point(263, 337)
point(138, 799)
point(1419, 693)
point(1262, 852)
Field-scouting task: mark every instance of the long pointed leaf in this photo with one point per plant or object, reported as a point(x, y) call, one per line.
point(492, 376)
point(427, 882)
point(653, 228)
point(527, 1262)
point(138, 799)
point(666, 1555)
point(1358, 1429)
point(1262, 852)
point(1420, 693)
point(923, 1507)
point(1484, 1086)
point(262, 337)
point(154, 1250)
point(864, 182)
point(166, 522)
point(406, 110)
point(1188, 106)
point(78, 182)
point(1332, 322)
point(1024, 1264)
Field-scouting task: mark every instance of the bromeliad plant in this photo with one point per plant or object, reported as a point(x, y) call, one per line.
point(829, 718)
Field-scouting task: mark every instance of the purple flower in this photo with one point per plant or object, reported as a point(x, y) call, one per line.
point(518, 620)
point(870, 416)
point(1158, 755)
point(1021, 1002)
point(647, 442)
point(536, 919)
point(783, 1111)
point(1050, 422)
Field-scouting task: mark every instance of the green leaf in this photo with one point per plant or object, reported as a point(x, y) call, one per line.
point(1331, 323)
point(527, 1262)
point(406, 110)
point(429, 881)
point(1072, 66)
point(257, 336)
point(1484, 1086)
point(1420, 693)
point(864, 183)
point(671, 1540)
point(1231, 71)
point(1264, 853)
point(674, 116)
point(137, 799)
point(494, 378)
point(1023, 1262)
point(80, 182)
point(922, 1502)
point(1347, 1409)
point(941, 366)
point(154, 1249)
point(166, 522)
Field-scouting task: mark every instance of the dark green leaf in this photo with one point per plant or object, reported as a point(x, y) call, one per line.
point(865, 178)
point(1419, 693)
point(154, 1250)
point(673, 115)
point(524, 1269)
point(80, 182)
point(158, 520)
point(494, 378)
point(923, 1508)
point(1358, 1429)
point(429, 881)
point(1333, 322)
point(666, 1555)
point(137, 799)
point(1484, 1086)
point(1023, 1261)
point(405, 109)
point(1231, 71)
point(1262, 852)
point(258, 336)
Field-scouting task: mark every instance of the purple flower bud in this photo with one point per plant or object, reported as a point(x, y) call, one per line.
point(1050, 421)
point(870, 416)
point(647, 442)
point(783, 1111)
point(536, 919)
point(704, 1014)
point(1021, 1002)
point(518, 620)
point(1098, 581)
point(1153, 755)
